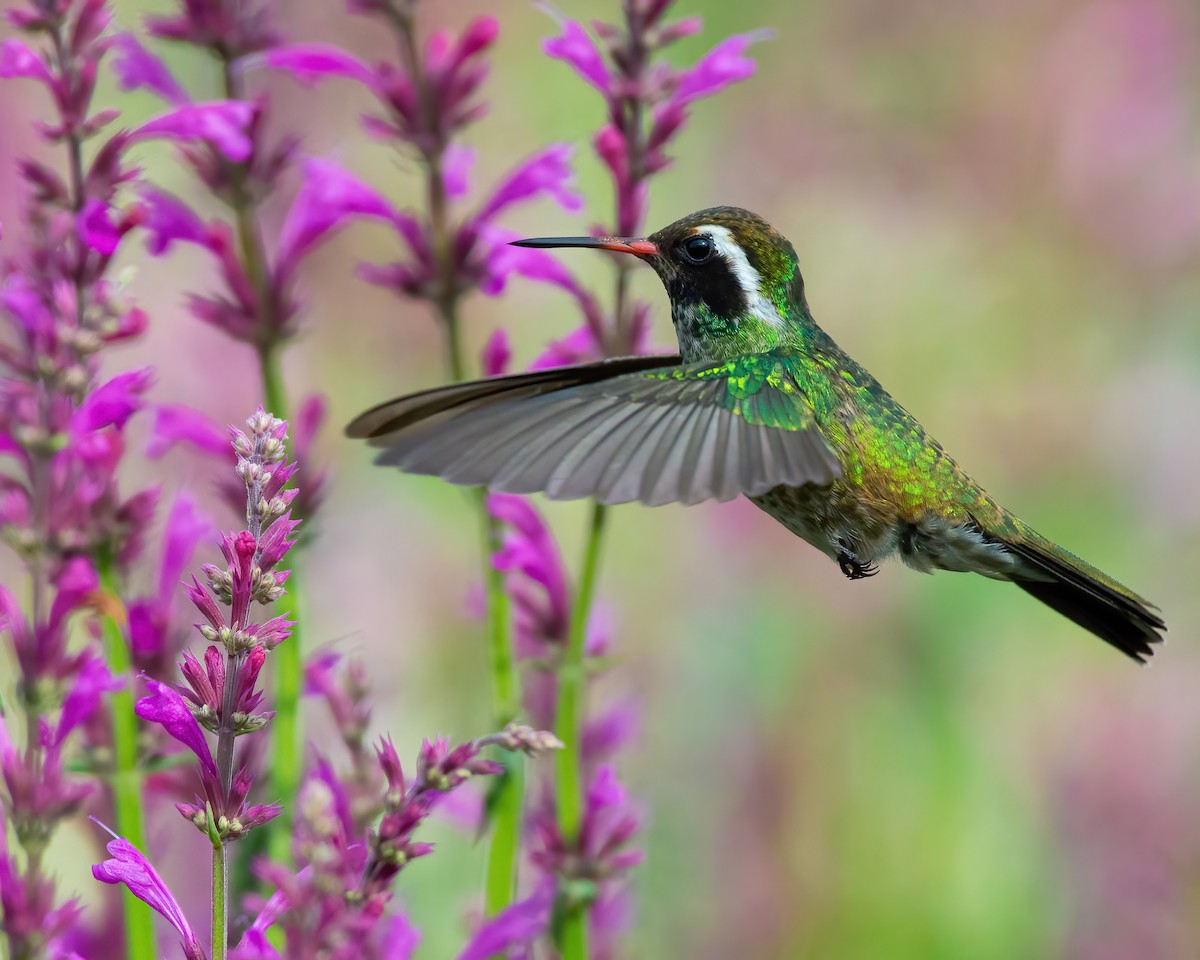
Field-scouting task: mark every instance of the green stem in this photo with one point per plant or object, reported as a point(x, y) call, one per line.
point(126, 778)
point(501, 883)
point(289, 665)
point(220, 902)
point(506, 692)
point(500, 886)
point(572, 683)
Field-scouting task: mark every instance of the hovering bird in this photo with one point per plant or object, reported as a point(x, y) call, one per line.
point(760, 403)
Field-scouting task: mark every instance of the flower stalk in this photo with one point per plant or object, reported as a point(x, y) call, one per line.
point(125, 778)
point(63, 429)
point(647, 102)
point(501, 872)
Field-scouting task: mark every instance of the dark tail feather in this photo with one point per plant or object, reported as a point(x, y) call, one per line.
point(1093, 600)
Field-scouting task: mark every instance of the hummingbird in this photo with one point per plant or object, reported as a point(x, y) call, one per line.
point(760, 402)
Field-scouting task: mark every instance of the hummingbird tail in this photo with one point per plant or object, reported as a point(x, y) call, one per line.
point(1084, 594)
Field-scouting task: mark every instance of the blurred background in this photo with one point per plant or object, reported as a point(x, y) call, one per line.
point(996, 204)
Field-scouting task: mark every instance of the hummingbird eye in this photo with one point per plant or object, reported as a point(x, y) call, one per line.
point(697, 249)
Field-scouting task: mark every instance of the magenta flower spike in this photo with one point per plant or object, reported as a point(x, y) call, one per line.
point(63, 428)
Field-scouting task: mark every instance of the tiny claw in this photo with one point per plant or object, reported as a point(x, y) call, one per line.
point(853, 568)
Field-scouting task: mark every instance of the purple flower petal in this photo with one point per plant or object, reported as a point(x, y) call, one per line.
point(19, 60)
point(187, 525)
point(602, 735)
point(530, 553)
point(81, 701)
point(167, 219)
point(74, 586)
point(318, 673)
point(129, 867)
point(329, 197)
point(496, 354)
point(576, 48)
point(97, 229)
point(548, 171)
point(401, 939)
point(137, 68)
point(721, 66)
point(168, 709)
point(513, 926)
point(311, 62)
point(307, 423)
point(501, 260)
point(112, 403)
point(22, 300)
point(605, 789)
point(457, 164)
point(175, 423)
point(254, 945)
point(579, 346)
point(480, 34)
point(224, 123)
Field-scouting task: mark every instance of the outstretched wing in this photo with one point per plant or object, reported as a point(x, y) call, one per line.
point(634, 428)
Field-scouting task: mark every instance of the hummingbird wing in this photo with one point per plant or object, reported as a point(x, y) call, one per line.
point(633, 428)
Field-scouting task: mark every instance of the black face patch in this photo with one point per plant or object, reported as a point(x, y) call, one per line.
point(711, 283)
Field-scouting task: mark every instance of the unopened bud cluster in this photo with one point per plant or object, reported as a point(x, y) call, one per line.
point(520, 736)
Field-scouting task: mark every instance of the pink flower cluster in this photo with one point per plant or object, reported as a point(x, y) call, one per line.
point(647, 102)
point(423, 103)
point(62, 426)
point(592, 867)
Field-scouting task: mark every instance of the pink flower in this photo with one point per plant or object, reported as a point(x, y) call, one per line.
point(547, 172)
point(225, 124)
point(167, 219)
point(327, 199)
point(580, 346)
point(514, 926)
point(84, 696)
point(456, 170)
point(500, 260)
point(496, 353)
point(311, 62)
point(18, 60)
point(723, 65)
point(74, 587)
point(128, 866)
point(401, 939)
point(168, 709)
point(97, 228)
point(576, 48)
point(175, 423)
point(137, 68)
point(537, 585)
point(609, 824)
point(150, 617)
point(112, 403)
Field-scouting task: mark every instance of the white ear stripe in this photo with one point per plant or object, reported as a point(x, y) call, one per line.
point(748, 278)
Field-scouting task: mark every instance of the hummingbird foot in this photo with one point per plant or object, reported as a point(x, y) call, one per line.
point(855, 569)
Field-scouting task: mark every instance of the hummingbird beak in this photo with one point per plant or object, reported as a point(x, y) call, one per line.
point(639, 248)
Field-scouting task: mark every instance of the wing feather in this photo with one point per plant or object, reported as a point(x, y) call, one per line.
point(630, 429)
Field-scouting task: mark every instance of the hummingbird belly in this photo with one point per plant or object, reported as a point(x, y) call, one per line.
point(834, 519)
point(841, 522)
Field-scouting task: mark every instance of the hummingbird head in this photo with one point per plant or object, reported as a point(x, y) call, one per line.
point(732, 278)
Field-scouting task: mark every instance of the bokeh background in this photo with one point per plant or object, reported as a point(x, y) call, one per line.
point(997, 209)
